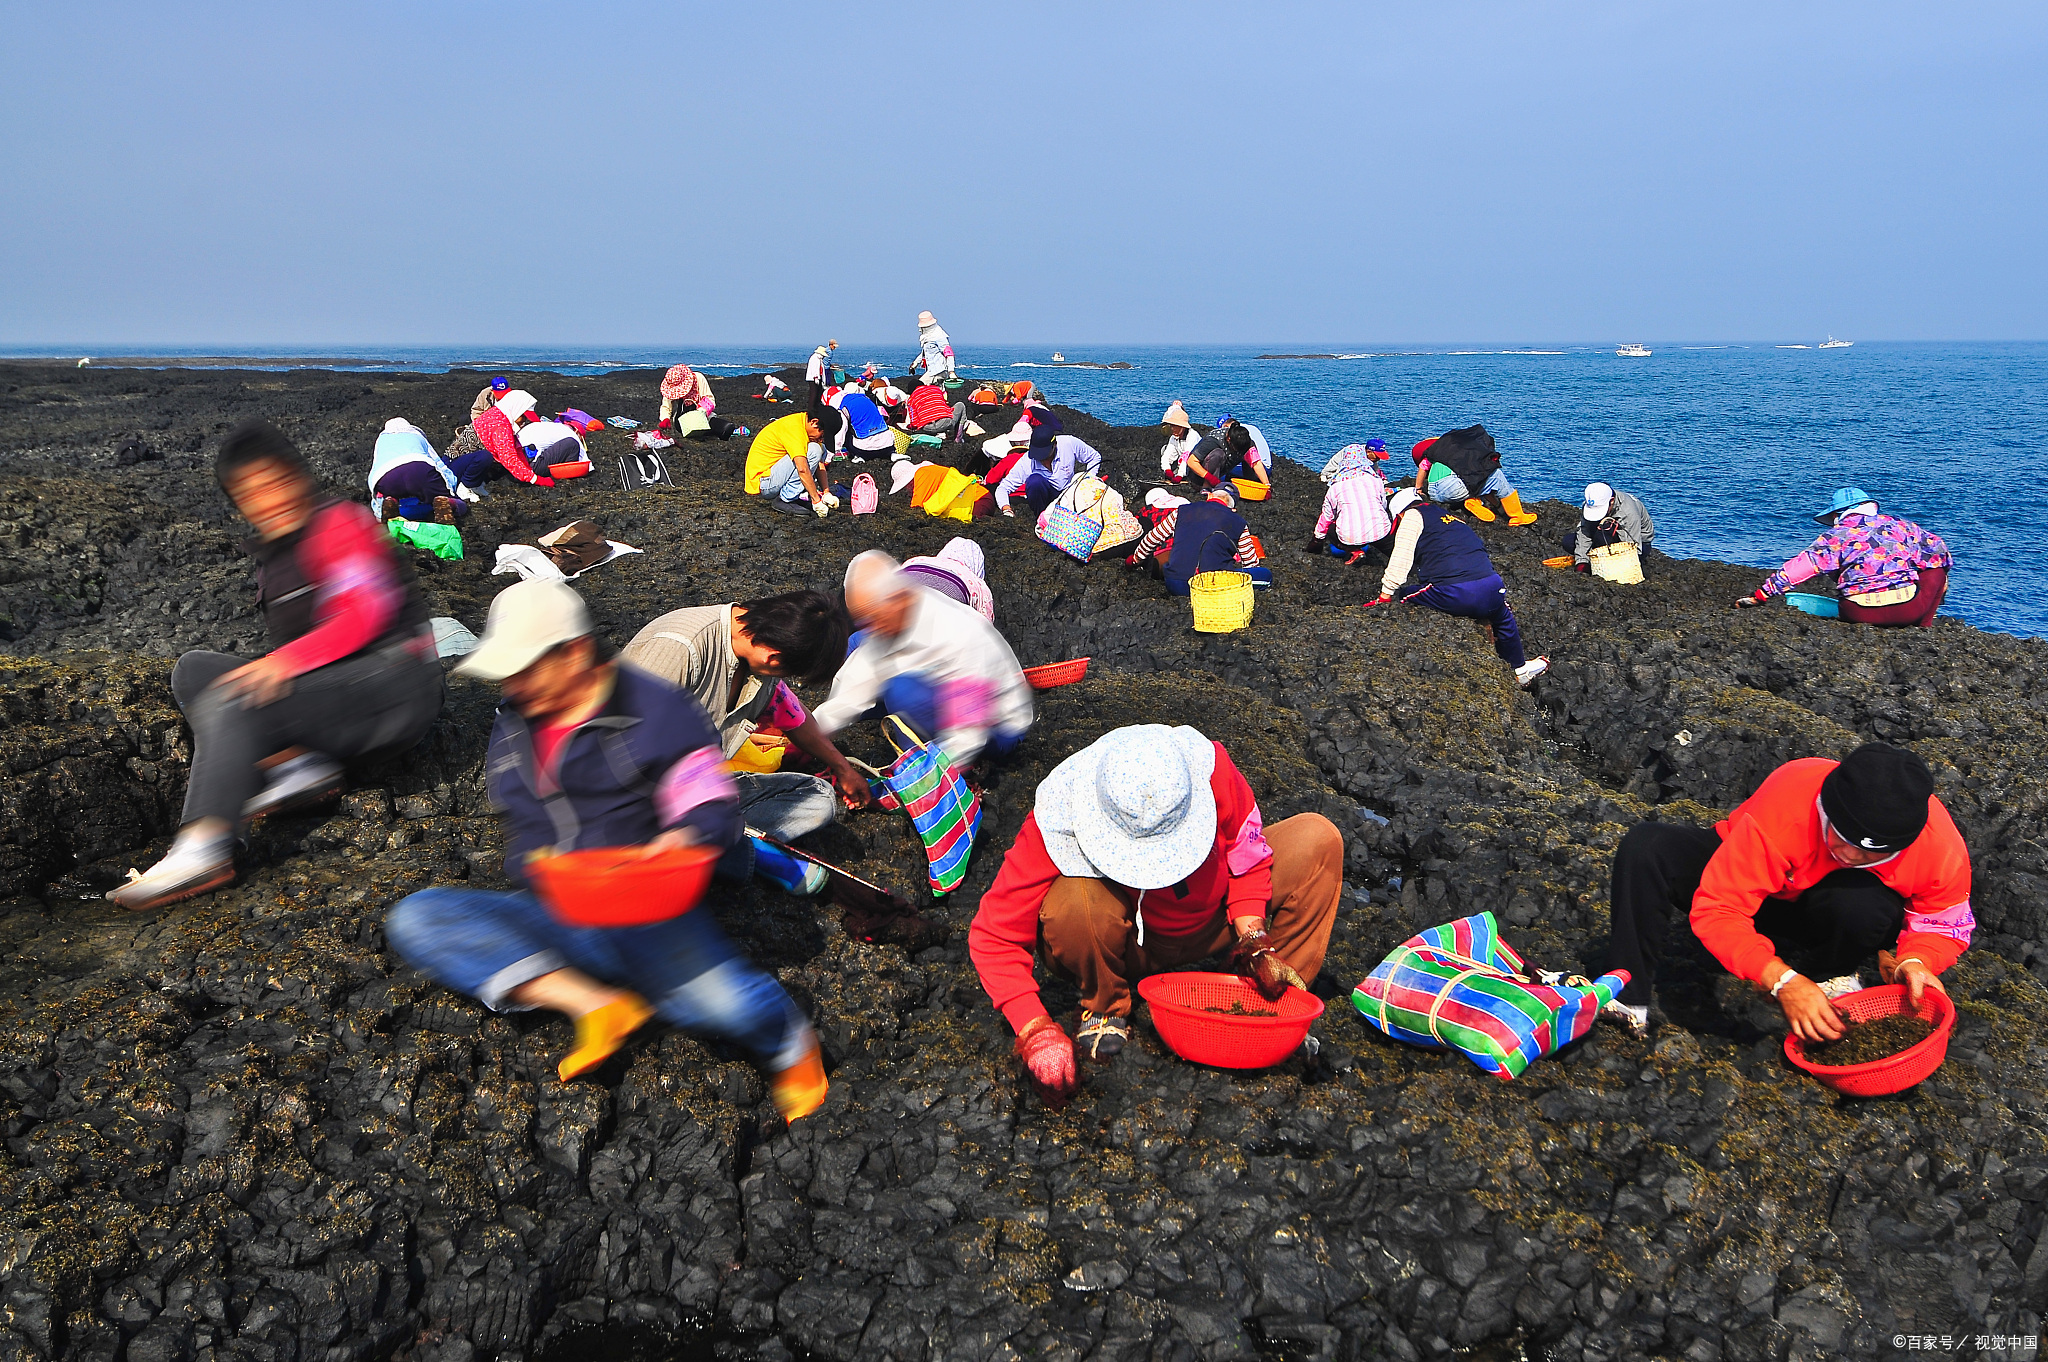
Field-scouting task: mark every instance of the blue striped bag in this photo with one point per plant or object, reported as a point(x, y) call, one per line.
point(943, 808)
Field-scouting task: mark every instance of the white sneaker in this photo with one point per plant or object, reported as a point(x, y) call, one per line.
point(1841, 986)
point(816, 877)
point(1636, 1019)
point(304, 779)
point(191, 867)
point(1530, 670)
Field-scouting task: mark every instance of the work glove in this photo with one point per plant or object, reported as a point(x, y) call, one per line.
point(832, 501)
point(1747, 601)
point(464, 491)
point(1377, 600)
point(820, 509)
point(1256, 957)
point(1582, 567)
point(1009, 511)
point(543, 481)
point(1048, 1056)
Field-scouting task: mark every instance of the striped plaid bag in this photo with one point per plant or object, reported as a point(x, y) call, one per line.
point(1460, 985)
point(943, 808)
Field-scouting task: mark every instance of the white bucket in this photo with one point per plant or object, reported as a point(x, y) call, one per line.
point(1617, 563)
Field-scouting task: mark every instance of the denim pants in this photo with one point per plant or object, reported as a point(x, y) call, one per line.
point(1450, 487)
point(780, 804)
point(782, 481)
point(486, 943)
point(1485, 599)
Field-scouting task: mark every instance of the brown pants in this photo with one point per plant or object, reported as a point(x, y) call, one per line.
point(1086, 927)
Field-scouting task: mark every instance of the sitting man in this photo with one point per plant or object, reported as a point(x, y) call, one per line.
point(588, 753)
point(732, 659)
point(1829, 860)
point(1610, 517)
point(1201, 536)
point(351, 667)
point(1146, 850)
point(786, 461)
point(1052, 460)
point(1455, 575)
point(930, 661)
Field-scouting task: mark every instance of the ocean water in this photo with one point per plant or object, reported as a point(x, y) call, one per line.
point(1731, 446)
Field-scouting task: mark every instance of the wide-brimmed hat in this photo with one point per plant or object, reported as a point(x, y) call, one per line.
point(1845, 498)
point(526, 620)
point(1401, 501)
point(925, 319)
point(1599, 496)
point(1176, 415)
point(679, 381)
point(1134, 807)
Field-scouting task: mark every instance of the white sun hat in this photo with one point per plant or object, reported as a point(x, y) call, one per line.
point(1134, 807)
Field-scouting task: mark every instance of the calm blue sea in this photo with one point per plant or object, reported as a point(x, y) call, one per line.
point(1731, 446)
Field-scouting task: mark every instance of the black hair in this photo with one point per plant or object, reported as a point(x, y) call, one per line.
point(257, 441)
point(808, 628)
point(1237, 440)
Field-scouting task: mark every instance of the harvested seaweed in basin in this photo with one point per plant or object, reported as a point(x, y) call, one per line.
point(1238, 1009)
point(1871, 1040)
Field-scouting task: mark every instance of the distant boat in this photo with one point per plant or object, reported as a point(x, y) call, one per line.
point(1058, 358)
point(1832, 344)
point(1633, 351)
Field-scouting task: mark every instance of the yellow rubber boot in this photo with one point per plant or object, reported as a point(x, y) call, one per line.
point(1512, 504)
point(800, 1089)
point(1477, 509)
point(599, 1034)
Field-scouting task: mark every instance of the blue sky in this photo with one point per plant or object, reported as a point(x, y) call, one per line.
point(643, 173)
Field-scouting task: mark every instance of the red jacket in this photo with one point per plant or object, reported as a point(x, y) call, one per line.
point(349, 587)
point(1235, 881)
point(928, 404)
point(1772, 847)
point(494, 430)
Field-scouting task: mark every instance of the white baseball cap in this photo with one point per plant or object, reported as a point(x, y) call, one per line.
point(1599, 496)
point(526, 620)
point(1401, 501)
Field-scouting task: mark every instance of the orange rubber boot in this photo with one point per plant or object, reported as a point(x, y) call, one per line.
point(800, 1089)
point(1477, 509)
point(599, 1034)
point(1512, 504)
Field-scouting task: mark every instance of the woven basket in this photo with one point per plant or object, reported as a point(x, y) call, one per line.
point(902, 441)
point(1222, 601)
point(1053, 674)
point(1621, 563)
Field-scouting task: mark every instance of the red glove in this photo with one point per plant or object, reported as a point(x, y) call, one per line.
point(1048, 1056)
point(543, 482)
point(662, 424)
point(1582, 567)
point(1377, 600)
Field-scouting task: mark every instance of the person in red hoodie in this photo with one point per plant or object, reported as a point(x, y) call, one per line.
point(1146, 850)
point(351, 667)
point(1829, 860)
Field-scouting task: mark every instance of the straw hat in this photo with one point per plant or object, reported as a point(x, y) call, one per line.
point(1176, 415)
point(925, 319)
point(1134, 807)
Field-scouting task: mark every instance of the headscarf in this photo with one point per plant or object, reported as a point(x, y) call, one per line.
point(1349, 462)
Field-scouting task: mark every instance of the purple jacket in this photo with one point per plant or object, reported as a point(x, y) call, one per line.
point(1871, 552)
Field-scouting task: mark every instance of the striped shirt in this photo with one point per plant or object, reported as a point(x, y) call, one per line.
point(1357, 506)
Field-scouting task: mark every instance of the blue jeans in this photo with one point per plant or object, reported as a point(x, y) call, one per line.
point(915, 700)
point(486, 943)
point(476, 468)
point(1450, 487)
point(782, 481)
point(1485, 599)
point(780, 804)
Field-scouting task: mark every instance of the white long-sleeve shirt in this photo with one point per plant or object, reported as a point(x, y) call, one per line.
point(979, 687)
point(1070, 456)
point(1173, 455)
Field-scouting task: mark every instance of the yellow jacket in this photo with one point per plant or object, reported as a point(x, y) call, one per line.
point(782, 438)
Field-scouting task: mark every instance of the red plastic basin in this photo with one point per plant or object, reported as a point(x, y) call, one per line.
point(1893, 1073)
point(1228, 1042)
point(619, 887)
point(579, 469)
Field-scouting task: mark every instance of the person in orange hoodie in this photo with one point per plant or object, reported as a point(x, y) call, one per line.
point(1830, 860)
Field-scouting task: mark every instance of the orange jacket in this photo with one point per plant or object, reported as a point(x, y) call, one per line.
point(1772, 847)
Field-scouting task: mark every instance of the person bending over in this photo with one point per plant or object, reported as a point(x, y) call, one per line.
point(1832, 861)
point(1608, 516)
point(930, 661)
point(787, 459)
point(351, 667)
point(1356, 504)
point(930, 414)
point(1146, 851)
point(1464, 466)
point(1254, 455)
point(1454, 575)
point(589, 753)
point(1890, 571)
point(1201, 536)
point(499, 453)
point(410, 481)
point(732, 659)
point(1051, 462)
point(867, 429)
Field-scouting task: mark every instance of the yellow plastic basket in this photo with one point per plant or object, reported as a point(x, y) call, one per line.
point(1222, 601)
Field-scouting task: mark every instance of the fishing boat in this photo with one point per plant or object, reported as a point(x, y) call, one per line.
point(1058, 358)
point(1633, 351)
point(1832, 344)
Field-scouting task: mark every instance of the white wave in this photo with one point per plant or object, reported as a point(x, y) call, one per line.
point(1792, 347)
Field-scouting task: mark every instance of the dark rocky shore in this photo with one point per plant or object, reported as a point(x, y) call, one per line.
point(242, 1129)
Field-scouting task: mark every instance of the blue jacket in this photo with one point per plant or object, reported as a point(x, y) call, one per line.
point(608, 771)
point(1449, 550)
point(864, 414)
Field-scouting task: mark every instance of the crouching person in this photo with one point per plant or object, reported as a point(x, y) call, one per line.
point(588, 752)
point(1145, 851)
point(351, 667)
point(1829, 861)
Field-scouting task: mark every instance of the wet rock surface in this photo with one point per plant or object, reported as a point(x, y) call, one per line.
point(242, 1128)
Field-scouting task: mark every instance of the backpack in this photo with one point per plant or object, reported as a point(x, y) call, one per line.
point(643, 468)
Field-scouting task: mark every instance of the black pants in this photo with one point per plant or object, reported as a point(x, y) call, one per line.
point(1834, 926)
point(716, 428)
